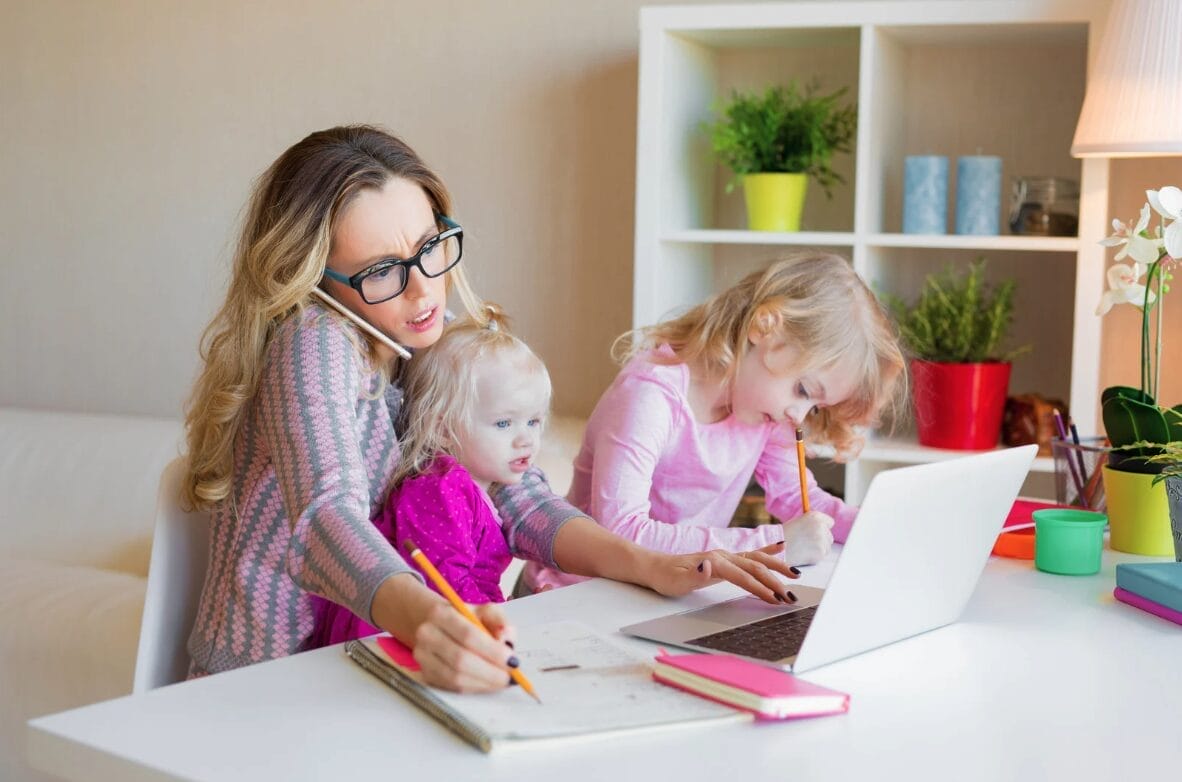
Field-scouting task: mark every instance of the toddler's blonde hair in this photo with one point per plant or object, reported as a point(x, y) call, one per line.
point(814, 300)
point(440, 389)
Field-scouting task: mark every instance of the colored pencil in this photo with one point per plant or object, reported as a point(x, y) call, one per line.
point(804, 480)
point(446, 590)
point(1075, 477)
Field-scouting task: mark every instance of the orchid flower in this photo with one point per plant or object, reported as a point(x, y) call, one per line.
point(1144, 250)
point(1123, 288)
point(1167, 202)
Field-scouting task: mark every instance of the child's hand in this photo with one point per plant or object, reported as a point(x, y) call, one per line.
point(808, 538)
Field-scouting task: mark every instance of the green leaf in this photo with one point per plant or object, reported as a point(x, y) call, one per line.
point(1128, 421)
point(957, 318)
point(783, 130)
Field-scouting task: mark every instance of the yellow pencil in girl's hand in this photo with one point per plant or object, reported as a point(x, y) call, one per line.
point(446, 590)
point(804, 479)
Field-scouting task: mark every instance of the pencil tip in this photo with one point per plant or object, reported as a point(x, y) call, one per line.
point(799, 435)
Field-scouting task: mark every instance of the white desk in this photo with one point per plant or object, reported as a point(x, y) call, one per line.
point(1044, 677)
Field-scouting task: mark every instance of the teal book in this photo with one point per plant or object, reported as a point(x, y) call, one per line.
point(1160, 582)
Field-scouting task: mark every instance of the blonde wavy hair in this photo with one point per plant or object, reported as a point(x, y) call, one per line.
point(818, 303)
point(440, 385)
point(280, 257)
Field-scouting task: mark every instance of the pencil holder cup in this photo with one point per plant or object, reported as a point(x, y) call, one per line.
point(1068, 542)
point(1079, 473)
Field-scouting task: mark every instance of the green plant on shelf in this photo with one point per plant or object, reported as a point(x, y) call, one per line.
point(784, 129)
point(958, 318)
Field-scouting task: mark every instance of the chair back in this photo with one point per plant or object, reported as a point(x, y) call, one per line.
point(176, 575)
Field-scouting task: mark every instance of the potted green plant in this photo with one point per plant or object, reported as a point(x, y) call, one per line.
point(1138, 427)
point(774, 141)
point(1169, 460)
point(959, 374)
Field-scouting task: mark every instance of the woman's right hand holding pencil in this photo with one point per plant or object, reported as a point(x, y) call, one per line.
point(454, 653)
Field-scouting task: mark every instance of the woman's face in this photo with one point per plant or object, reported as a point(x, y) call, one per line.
point(393, 222)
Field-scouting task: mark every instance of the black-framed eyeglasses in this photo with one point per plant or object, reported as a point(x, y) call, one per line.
point(388, 277)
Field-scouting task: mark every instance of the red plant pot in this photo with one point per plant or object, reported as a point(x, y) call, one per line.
point(959, 406)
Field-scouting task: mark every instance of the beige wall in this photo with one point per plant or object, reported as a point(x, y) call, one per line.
point(130, 132)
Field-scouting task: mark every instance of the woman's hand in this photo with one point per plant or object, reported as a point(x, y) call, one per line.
point(454, 653)
point(808, 538)
point(755, 571)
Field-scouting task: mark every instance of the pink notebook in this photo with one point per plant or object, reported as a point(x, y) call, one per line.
point(768, 692)
point(1145, 604)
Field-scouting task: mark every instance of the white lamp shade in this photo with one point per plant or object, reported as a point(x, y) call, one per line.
point(1133, 104)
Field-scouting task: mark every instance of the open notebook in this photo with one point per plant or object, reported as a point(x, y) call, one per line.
point(588, 685)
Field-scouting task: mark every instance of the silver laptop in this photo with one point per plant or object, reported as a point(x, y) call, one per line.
point(911, 562)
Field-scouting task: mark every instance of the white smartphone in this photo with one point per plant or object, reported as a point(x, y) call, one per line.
point(361, 323)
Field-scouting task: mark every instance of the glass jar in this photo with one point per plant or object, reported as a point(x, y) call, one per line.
point(1044, 206)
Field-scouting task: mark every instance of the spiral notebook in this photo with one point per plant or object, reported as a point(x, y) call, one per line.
point(589, 686)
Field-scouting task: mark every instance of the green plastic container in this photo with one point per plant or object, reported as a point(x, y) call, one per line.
point(1068, 542)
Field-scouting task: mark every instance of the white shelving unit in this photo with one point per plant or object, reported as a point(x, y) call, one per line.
point(1003, 77)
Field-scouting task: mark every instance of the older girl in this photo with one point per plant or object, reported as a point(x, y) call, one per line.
point(710, 398)
point(290, 430)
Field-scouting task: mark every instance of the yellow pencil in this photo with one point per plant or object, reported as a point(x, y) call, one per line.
point(446, 590)
point(804, 480)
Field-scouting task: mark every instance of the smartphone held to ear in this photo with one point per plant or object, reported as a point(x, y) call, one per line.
point(361, 323)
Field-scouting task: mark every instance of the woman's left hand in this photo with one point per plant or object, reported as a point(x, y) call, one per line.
point(755, 571)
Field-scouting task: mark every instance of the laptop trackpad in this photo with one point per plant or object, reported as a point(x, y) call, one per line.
point(740, 611)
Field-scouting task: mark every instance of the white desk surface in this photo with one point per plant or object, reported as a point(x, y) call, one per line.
point(1044, 677)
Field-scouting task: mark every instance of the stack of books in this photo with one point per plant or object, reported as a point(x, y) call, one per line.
point(1155, 587)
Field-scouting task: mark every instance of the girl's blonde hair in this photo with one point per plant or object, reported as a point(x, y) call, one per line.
point(440, 385)
point(284, 244)
point(815, 301)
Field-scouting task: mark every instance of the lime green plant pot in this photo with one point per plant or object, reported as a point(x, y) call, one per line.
point(774, 201)
point(1138, 514)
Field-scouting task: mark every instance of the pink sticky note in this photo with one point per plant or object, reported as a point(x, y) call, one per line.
point(399, 652)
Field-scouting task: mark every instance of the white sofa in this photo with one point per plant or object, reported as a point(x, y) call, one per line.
point(77, 501)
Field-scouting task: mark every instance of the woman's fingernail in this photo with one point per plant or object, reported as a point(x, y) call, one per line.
point(791, 597)
point(512, 682)
point(794, 571)
point(778, 596)
point(780, 544)
point(509, 644)
point(701, 566)
point(513, 662)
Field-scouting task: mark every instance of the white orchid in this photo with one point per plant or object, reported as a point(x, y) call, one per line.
point(1153, 253)
point(1124, 287)
point(1144, 250)
point(1167, 202)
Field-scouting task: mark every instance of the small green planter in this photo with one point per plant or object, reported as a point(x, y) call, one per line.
point(1068, 542)
point(774, 201)
point(1138, 514)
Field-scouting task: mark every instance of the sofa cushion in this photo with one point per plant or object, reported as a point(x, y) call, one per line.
point(69, 639)
point(81, 489)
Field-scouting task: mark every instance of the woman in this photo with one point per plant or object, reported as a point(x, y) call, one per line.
point(290, 434)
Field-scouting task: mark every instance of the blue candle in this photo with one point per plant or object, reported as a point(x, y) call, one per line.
point(978, 195)
point(925, 194)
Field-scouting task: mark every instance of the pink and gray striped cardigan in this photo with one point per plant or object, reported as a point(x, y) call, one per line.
point(312, 465)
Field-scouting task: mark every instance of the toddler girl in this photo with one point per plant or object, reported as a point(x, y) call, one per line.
point(478, 400)
point(709, 398)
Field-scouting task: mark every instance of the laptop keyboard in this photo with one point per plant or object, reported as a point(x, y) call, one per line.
point(768, 639)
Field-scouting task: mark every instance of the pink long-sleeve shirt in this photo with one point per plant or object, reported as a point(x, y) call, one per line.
point(649, 472)
point(452, 521)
